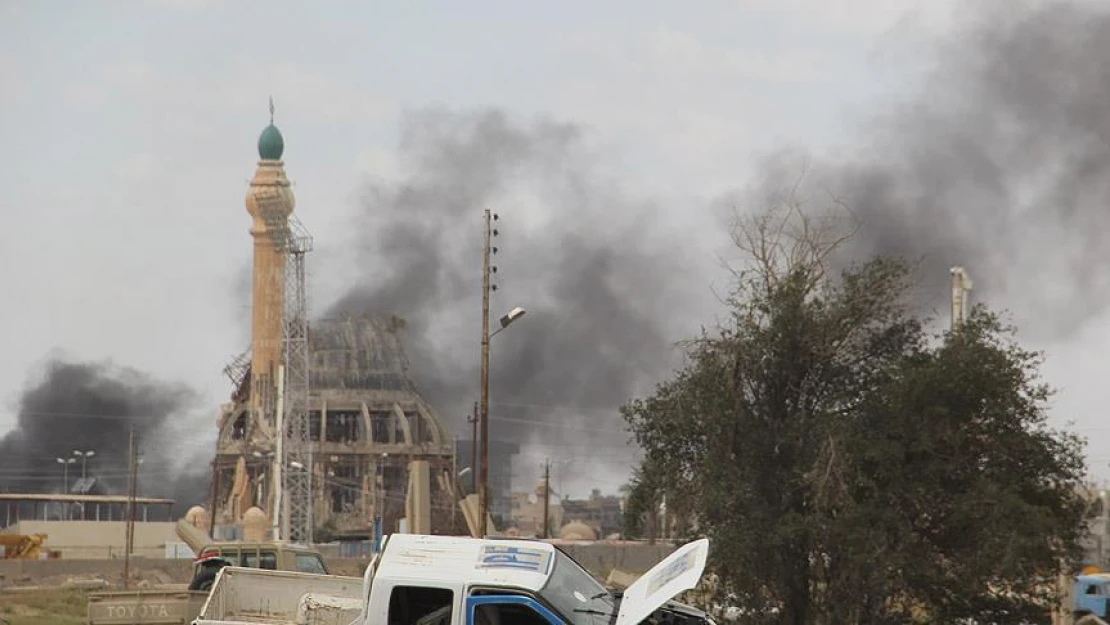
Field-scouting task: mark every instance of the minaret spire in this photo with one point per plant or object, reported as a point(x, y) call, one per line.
point(271, 109)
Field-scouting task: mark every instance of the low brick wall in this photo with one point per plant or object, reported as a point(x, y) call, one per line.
point(598, 558)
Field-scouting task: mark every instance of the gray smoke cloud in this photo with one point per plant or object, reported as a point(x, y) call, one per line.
point(998, 160)
point(92, 406)
point(600, 276)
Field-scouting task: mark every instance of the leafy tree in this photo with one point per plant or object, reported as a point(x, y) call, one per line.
point(645, 495)
point(849, 466)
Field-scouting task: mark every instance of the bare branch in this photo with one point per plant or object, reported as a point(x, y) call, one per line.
point(784, 239)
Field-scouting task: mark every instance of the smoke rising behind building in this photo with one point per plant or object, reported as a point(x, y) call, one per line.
point(998, 159)
point(995, 158)
point(92, 406)
point(601, 279)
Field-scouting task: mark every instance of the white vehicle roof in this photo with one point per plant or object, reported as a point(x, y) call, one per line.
point(523, 564)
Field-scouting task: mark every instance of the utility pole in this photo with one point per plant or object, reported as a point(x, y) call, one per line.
point(132, 480)
point(483, 479)
point(473, 421)
point(546, 497)
point(483, 414)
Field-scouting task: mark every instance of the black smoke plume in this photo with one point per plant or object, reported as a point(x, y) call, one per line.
point(92, 406)
point(999, 161)
point(599, 275)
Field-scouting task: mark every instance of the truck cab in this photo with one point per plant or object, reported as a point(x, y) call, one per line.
point(1092, 592)
point(273, 556)
point(440, 580)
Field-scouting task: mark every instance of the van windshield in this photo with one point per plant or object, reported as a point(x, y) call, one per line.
point(576, 594)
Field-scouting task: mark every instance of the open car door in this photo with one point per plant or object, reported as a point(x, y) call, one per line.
point(679, 572)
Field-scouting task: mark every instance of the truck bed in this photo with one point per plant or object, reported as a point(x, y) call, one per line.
point(242, 595)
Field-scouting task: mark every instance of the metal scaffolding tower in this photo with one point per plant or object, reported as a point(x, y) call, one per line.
point(293, 239)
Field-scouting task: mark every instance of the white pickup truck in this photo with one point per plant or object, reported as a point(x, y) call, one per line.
point(448, 580)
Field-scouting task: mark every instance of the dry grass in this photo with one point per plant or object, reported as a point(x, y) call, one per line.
point(43, 607)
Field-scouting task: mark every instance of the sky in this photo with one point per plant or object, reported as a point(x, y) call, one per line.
point(129, 132)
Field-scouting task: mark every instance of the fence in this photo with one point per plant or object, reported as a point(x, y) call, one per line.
point(356, 549)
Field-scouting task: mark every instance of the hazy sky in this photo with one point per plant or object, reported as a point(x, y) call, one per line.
point(129, 131)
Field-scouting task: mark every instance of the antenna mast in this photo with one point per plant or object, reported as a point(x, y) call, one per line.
point(292, 238)
point(298, 482)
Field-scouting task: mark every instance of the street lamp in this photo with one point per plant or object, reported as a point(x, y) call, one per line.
point(508, 318)
point(84, 456)
point(65, 462)
point(483, 467)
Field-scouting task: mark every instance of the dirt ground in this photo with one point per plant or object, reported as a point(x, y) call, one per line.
point(63, 599)
point(43, 607)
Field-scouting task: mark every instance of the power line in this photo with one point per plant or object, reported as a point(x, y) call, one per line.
point(569, 426)
point(554, 407)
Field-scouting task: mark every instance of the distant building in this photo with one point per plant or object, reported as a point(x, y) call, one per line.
point(90, 526)
point(501, 457)
point(600, 512)
point(598, 516)
point(527, 513)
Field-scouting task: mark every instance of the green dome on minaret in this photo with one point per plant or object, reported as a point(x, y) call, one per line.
point(271, 144)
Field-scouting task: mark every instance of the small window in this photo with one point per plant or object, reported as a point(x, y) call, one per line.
point(413, 605)
point(310, 563)
point(267, 560)
point(249, 559)
point(239, 428)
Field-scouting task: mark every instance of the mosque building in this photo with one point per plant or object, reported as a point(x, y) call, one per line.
point(367, 423)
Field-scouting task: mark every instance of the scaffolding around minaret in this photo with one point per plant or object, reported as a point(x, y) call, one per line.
point(292, 501)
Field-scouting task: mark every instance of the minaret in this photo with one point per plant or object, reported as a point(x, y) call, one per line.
point(269, 203)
